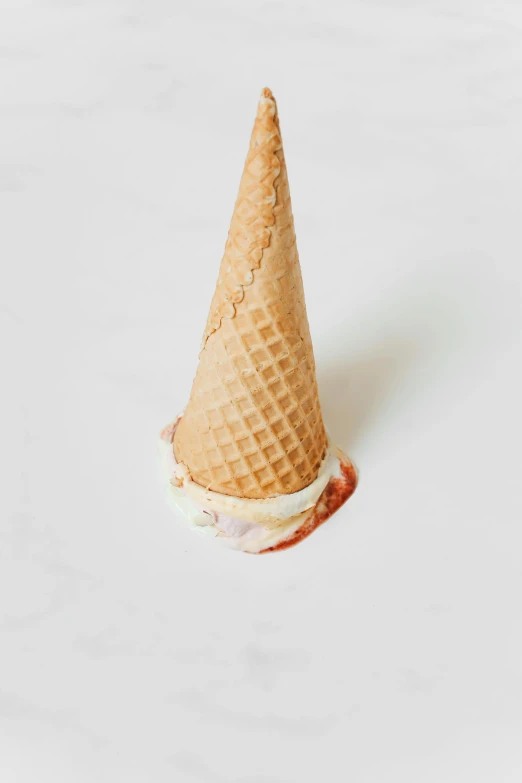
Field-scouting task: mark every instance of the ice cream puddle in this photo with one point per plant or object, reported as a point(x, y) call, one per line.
point(258, 526)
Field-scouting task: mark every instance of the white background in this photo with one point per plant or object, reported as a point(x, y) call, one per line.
point(386, 647)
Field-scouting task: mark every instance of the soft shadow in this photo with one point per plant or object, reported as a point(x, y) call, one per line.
point(355, 391)
point(407, 341)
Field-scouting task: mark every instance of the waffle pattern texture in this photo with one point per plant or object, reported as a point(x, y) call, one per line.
point(253, 426)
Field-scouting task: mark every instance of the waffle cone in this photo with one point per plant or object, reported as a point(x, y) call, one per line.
point(253, 426)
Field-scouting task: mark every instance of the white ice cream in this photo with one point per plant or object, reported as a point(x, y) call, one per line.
point(269, 512)
point(246, 524)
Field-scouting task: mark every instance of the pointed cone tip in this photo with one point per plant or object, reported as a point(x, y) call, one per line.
point(267, 102)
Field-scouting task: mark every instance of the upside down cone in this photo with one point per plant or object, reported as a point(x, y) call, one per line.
point(253, 426)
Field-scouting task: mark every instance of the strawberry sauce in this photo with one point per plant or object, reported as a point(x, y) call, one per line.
point(336, 492)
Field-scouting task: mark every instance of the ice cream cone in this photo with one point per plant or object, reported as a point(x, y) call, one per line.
point(253, 426)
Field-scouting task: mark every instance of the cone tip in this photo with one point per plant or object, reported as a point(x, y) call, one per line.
point(266, 92)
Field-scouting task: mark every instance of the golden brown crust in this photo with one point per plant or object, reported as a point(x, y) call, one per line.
point(249, 232)
point(253, 426)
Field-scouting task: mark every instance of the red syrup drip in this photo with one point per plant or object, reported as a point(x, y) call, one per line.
point(334, 495)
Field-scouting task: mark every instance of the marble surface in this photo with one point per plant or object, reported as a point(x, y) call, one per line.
point(387, 647)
